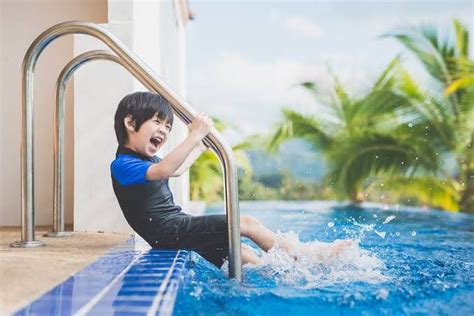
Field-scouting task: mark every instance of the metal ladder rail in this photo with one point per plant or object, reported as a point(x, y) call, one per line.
point(139, 69)
point(58, 143)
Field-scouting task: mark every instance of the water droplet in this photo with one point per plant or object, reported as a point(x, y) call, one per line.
point(331, 224)
point(380, 234)
point(397, 234)
point(410, 125)
point(150, 219)
point(389, 219)
point(413, 233)
point(376, 157)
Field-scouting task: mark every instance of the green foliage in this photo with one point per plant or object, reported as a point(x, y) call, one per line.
point(282, 186)
point(206, 178)
point(398, 131)
point(427, 190)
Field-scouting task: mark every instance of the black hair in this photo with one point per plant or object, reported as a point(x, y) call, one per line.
point(142, 106)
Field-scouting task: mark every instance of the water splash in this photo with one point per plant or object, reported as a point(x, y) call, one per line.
point(317, 267)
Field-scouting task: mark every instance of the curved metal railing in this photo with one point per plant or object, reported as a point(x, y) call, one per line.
point(58, 143)
point(150, 80)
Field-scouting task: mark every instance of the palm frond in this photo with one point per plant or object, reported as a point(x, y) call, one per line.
point(433, 53)
point(462, 38)
point(386, 79)
point(355, 159)
point(427, 110)
point(461, 83)
point(299, 126)
point(310, 86)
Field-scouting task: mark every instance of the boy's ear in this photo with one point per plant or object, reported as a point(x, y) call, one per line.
point(129, 123)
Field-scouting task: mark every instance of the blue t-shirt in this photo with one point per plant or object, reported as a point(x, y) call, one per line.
point(130, 170)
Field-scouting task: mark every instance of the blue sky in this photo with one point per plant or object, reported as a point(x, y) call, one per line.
point(245, 59)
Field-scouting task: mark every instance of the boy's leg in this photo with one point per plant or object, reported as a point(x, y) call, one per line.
point(252, 228)
point(266, 239)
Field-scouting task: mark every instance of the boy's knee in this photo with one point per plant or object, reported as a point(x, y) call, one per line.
point(248, 223)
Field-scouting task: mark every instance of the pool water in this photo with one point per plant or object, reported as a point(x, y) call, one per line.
point(403, 261)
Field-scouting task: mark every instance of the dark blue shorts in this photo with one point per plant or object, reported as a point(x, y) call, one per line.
point(207, 235)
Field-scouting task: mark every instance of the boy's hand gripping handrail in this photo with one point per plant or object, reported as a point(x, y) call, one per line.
point(151, 80)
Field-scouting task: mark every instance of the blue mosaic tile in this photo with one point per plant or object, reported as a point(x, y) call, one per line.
point(131, 279)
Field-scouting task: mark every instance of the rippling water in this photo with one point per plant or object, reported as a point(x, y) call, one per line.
point(403, 261)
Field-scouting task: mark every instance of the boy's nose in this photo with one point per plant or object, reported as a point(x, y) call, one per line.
point(162, 130)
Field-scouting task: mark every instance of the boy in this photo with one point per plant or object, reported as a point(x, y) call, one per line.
point(143, 121)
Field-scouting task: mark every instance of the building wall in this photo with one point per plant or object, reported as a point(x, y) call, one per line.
point(21, 22)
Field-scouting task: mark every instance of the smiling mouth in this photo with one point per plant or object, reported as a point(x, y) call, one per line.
point(155, 141)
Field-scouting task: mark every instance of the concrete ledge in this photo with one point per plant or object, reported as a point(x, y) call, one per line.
point(28, 273)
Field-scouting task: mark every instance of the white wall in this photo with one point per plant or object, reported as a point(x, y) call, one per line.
point(151, 30)
point(20, 23)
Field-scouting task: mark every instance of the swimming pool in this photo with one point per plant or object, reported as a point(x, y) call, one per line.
point(408, 261)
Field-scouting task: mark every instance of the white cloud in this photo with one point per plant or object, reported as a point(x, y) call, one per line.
point(251, 95)
point(304, 26)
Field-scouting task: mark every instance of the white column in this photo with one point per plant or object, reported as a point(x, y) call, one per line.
point(149, 29)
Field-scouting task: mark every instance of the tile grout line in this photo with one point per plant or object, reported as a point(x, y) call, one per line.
point(154, 307)
point(86, 308)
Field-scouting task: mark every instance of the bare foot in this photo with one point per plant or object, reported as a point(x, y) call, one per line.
point(321, 252)
point(339, 246)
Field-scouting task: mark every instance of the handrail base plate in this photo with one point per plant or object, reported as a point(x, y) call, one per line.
point(27, 244)
point(57, 234)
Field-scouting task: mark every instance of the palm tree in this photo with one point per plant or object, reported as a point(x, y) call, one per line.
point(399, 132)
point(451, 115)
point(363, 137)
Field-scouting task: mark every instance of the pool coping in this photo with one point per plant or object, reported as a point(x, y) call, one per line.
point(129, 278)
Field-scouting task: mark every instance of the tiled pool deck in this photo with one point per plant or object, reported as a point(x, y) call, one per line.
point(131, 279)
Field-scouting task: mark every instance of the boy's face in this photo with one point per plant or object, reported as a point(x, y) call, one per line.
point(151, 136)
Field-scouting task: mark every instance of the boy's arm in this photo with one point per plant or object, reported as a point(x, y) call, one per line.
point(192, 157)
point(199, 128)
point(168, 165)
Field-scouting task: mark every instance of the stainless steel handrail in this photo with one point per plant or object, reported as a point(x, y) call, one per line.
point(58, 144)
point(140, 70)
